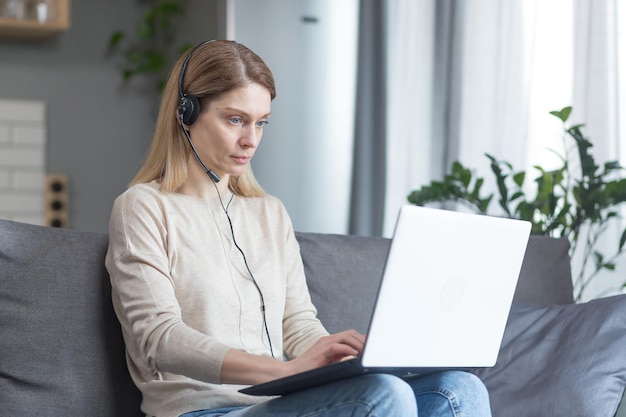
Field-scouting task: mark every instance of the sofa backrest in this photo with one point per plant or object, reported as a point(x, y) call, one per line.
point(343, 283)
point(546, 275)
point(61, 348)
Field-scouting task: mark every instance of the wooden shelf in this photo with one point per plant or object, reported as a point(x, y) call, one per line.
point(25, 29)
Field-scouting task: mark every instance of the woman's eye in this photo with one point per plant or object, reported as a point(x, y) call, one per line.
point(236, 120)
point(262, 123)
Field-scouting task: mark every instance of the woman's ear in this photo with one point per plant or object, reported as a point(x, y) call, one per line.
point(179, 119)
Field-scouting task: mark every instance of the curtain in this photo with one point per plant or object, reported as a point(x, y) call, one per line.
point(468, 77)
point(493, 92)
point(410, 74)
point(456, 90)
point(599, 55)
point(367, 198)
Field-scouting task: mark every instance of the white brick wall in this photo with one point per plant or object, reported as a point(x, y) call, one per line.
point(22, 160)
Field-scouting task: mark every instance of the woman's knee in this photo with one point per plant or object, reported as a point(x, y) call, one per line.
point(452, 392)
point(388, 395)
point(465, 382)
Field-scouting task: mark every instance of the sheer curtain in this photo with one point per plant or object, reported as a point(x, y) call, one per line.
point(599, 102)
point(480, 76)
point(577, 57)
point(456, 90)
point(410, 75)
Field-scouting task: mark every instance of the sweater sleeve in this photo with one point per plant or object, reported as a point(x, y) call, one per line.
point(156, 337)
point(301, 327)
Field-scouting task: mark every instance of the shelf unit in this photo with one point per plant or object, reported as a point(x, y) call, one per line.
point(25, 29)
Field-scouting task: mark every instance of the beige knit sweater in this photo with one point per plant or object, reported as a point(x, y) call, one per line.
point(184, 297)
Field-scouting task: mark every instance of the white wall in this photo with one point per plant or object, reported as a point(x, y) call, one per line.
point(22, 160)
point(97, 128)
point(305, 158)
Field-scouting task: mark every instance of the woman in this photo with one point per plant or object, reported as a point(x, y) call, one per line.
point(207, 278)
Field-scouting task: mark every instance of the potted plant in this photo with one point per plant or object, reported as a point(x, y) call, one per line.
point(579, 202)
point(149, 52)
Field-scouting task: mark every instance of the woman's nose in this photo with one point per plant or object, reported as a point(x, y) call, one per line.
point(250, 136)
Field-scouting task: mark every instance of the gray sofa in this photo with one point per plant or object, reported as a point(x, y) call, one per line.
point(61, 351)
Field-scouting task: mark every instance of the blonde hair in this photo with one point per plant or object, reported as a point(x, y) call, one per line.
point(216, 68)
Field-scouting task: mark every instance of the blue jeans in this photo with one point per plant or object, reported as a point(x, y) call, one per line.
point(445, 394)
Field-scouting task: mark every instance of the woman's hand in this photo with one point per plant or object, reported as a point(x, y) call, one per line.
point(327, 350)
point(240, 367)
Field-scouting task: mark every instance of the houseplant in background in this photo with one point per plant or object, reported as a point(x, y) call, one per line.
point(149, 52)
point(579, 200)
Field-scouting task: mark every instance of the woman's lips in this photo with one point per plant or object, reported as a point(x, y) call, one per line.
point(242, 159)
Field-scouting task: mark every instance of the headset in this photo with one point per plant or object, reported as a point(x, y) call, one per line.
point(188, 111)
point(188, 104)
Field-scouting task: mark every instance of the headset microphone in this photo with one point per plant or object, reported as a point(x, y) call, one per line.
point(214, 177)
point(188, 111)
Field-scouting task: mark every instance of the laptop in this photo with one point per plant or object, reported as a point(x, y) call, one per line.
point(442, 303)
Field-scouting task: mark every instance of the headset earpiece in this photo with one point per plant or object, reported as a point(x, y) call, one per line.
point(188, 109)
point(188, 105)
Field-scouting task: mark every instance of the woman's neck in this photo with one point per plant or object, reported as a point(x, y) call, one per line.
point(200, 185)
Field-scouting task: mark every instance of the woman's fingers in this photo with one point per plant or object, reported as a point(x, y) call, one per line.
point(329, 349)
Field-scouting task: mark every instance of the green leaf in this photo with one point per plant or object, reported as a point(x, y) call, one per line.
point(562, 114)
point(184, 48)
point(622, 240)
point(116, 38)
point(150, 16)
point(599, 258)
point(465, 176)
point(169, 8)
point(483, 205)
point(477, 186)
point(565, 113)
point(517, 195)
point(128, 74)
point(538, 168)
point(519, 178)
point(612, 166)
point(500, 181)
point(144, 31)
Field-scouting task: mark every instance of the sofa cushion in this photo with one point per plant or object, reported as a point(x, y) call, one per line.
point(563, 360)
point(61, 349)
point(343, 273)
point(546, 276)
